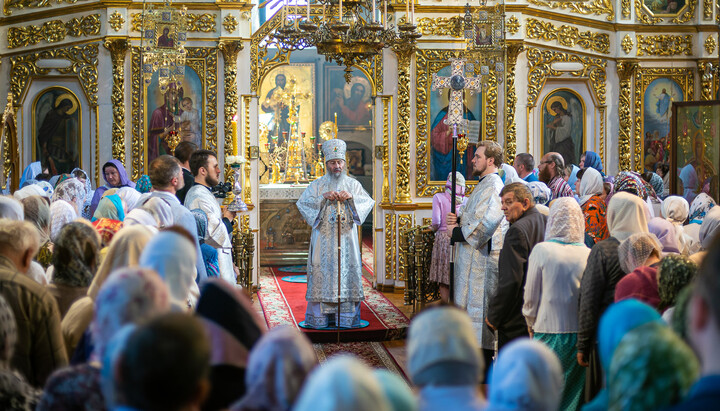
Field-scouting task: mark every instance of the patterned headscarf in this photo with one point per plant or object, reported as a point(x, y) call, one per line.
point(630, 182)
point(61, 213)
point(75, 255)
point(73, 191)
point(11, 209)
point(62, 178)
point(37, 211)
point(540, 192)
point(107, 228)
point(637, 248)
point(143, 184)
point(277, 368)
point(652, 368)
point(699, 207)
point(110, 207)
point(674, 273)
point(129, 295)
point(709, 227)
point(8, 333)
point(88, 183)
point(657, 184)
point(566, 222)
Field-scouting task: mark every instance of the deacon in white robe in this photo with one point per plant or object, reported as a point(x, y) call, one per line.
point(318, 206)
point(478, 232)
point(205, 168)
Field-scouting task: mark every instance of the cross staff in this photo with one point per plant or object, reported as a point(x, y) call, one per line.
point(458, 83)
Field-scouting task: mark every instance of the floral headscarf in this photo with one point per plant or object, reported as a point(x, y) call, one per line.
point(107, 228)
point(75, 255)
point(674, 273)
point(73, 191)
point(540, 192)
point(630, 182)
point(143, 184)
point(699, 207)
point(657, 184)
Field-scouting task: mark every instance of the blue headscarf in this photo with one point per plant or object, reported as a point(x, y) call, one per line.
point(110, 207)
point(209, 253)
point(30, 172)
point(573, 177)
point(592, 159)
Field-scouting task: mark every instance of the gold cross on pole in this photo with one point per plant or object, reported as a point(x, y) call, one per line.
point(457, 82)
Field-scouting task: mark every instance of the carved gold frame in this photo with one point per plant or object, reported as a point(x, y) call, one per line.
point(10, 157)
point(427, 63)
point(685, 77)
point(685, 14)
point(204, 60)
point(33, 131)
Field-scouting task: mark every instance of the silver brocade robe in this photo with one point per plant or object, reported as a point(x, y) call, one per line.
point(321, 215)
point(476, 269)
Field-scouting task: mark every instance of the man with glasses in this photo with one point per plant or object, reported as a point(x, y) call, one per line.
point(551, 173)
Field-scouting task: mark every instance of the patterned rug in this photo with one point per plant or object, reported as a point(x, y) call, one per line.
point(374, 354)
point(293, 269)
point(295, 278)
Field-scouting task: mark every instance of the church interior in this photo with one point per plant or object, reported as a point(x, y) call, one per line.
point(264, 83)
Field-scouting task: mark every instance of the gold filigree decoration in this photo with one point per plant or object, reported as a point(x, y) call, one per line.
point(664, 45)
point(646, 17)
point(83, 64)
point(247, 186)
point(707, 9)
point(440, 26)
point(428, 62)
point(390, 245)
point(405, 222)
point(53, 31)
point(710, 44)
point(513, 52)
point(706, 80)
point(625, 8)
point(626, 71)
point(627, 44)
point(118, 49)
point(567, 35)
point(386, 101)
point(402, 171)
point(10, 147)
point(230, 23)
point(116, 21)
point(195, 22)
point(137, 84)
point(513, 25)
point(586, 7)
point(23, 4)
point(539, 64)
point(230, 50)
point(684, 77)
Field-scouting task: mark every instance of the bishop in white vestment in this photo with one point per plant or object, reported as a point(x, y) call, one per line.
point(318, 206)
point(479, 236)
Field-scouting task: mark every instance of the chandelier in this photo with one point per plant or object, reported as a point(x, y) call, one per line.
point(347, 31)
point(163, 51)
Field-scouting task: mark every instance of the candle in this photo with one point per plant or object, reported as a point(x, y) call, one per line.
point(407, 11)
point(385, 16)
point(412, 12)
point(336, 127)
point(374, 17)
point(234, 136)
point(308, 10)
point(340, 10)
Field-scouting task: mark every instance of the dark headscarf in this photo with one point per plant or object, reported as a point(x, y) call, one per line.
point(75, 255)
point(675, 272)
point(592, 159)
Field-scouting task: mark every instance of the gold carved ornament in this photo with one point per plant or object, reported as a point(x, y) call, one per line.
point(230, 50)
point(625, 9)
point(405, 222)
point(513, 25)
point(706, 79)
point(643, 77)
point(710, 44)
point(440, 26)
point(402, 173)
point(116, 21)
point(707, 9)
point(390, 246)
point(665, 45)
point(136, 87)
point(230, 23)
point(567, 35)
point(10, 147)
point(647, 17)
point(586, 7)
point(247, 189)
point(513, 52)
point(626, 70)
point(194, 22)
point(23, 4)
point(627, 44)
point(387, 102)
point(118, 48)
point(53, 31)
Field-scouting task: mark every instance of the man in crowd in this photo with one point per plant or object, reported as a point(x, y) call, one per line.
point(551, 173)
point(527, 228)
point(183, 152)
point(204, 166)
point(478, 230)
point(40, 349)
point(525, 165)
point(321, 202)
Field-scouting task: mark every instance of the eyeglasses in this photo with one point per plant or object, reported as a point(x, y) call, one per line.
point(546, 162)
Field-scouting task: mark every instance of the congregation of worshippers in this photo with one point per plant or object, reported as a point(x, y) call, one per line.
point(570, 289)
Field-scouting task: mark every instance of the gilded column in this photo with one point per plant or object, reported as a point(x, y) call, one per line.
point(706, 79)
point(230, 49)
point(247, 187)
point(118, 48)
point(626, 70)
point(513, 52)
point(404, 53)
point(386, 100)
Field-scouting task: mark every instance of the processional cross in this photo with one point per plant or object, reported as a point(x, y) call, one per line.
point(457, 83)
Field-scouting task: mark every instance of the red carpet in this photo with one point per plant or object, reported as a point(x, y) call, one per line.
point(284, 303)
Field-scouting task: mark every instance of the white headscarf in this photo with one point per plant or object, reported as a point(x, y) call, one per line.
point(636, 249)
point(129, 197)
point(11, 208)
point(160, 210)
point(29, 190)
point(61, 213)
point(591, 184)
point(709, 228)
point(511, 175)
point(342, 383)
point(173, 257)
point(139, 216)
point(73, 191)
point(626, 215)
point(676, 210)
point(526, 376)
point(566, 222)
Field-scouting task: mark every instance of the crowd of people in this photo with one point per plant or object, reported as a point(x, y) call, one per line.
point(594, 292)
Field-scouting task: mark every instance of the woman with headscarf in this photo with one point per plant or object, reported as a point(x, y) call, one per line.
point(15, 392)
point(572, 178)
point(75, 260)
point(173, 256)
point(115, 177)
point(654, 201)
point(396, 390)
point(709, 229)
point(129, 197)
point(61, 214)
point(110, 207)
point(509, 175)
point(616, 322)
point(71, 190)
point(688, 177)
point(209, 253)
point(651, 369)
point(594, 210)
point(541, 194)
point(124, 252)
point(440, 261)
point(700, 206)
point(128, 296)
point(675, 209)
point(526, 376)
point(343, 383)
point(591, 159)
point(143, 184)
point(81, 175)
point(30, 172)
point(234, 328)
point(675, 272)
point(639, 257)
point(276, 370)
point(630, 182)
point(140, 216)
point(11, 209)
point(27, 191)
point(552, 286)
point(665, 233)
point(37, 211)
point(626, 216)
